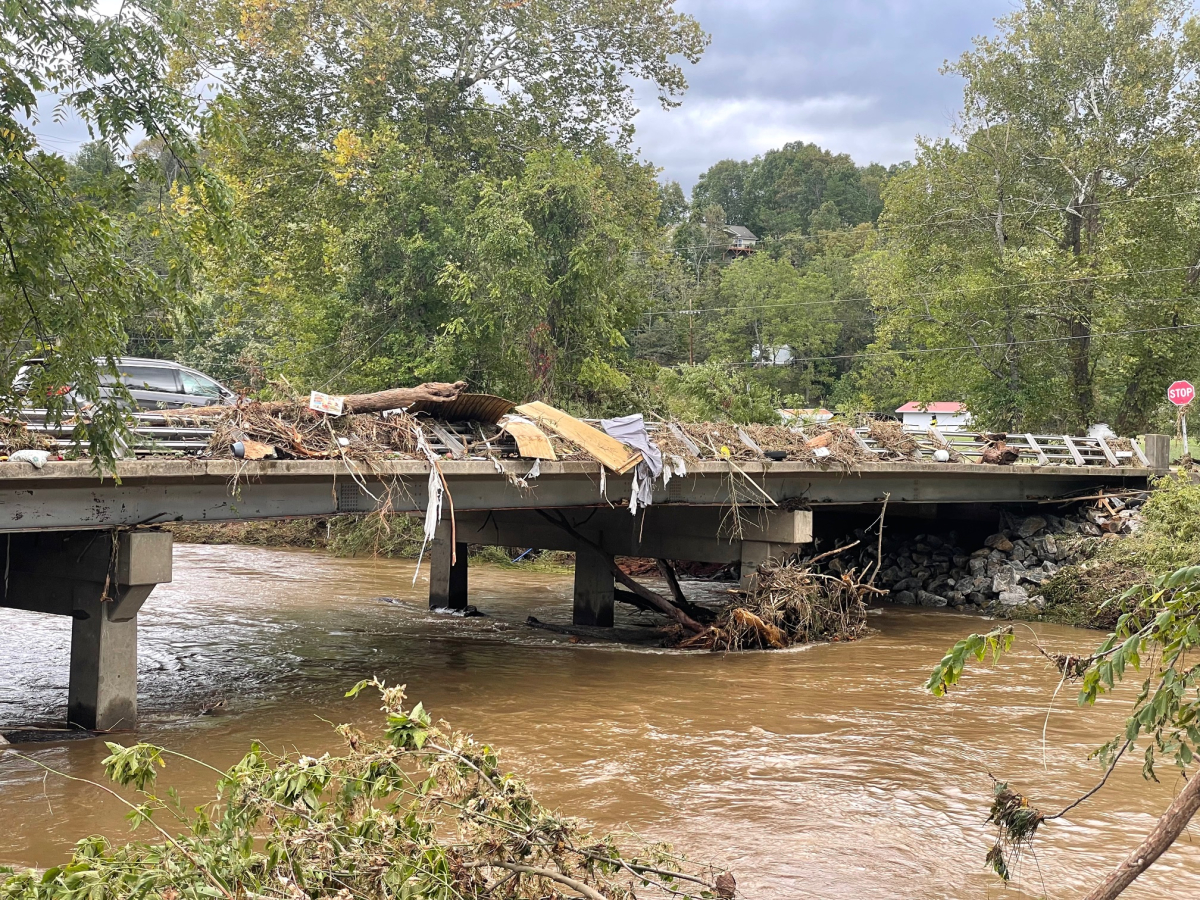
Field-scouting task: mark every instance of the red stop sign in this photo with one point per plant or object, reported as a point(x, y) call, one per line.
point(1181, 393)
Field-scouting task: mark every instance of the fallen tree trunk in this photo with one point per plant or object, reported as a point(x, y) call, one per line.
point(1169, 827)
point(699, 613)
point(394, 398)
point(659, 602)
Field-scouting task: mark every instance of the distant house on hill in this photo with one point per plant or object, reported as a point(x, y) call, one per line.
point(947, 416)
point(742, 241)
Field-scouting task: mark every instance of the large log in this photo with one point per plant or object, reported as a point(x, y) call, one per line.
point(395, 398)
point(1162, 836)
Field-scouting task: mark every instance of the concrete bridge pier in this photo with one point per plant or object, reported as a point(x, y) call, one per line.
point(447, 570)
point(678, 532)
point(100, 579)
point(595, 589)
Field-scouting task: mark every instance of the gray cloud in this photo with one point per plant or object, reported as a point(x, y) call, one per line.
point(855, 76)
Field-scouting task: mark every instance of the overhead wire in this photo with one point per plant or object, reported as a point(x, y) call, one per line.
point(928, 294)
point(969, 347)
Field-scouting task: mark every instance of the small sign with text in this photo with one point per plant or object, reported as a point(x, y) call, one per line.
point(325, 403)
point(1181, 393)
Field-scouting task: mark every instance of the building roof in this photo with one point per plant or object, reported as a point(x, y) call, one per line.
point(741, 231)
point(915, 407)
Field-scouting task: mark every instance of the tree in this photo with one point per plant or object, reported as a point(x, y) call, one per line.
point(1054, 241)
point(672, 205)
point(68, 283)
point(422, 182)
point(781, 191)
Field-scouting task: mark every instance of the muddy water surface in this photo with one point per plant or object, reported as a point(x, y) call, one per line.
point(821, 772)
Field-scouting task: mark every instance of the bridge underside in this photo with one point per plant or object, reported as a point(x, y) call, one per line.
point(77, 545)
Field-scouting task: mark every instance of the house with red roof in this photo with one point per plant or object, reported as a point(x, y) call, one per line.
point(946, 416)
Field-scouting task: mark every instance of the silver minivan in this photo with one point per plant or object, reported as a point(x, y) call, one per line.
point(153, 384)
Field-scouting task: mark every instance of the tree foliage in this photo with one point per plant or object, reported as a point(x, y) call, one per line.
point(1054, 241)
point(421, 811)
point(436, 190)
point(71, 285)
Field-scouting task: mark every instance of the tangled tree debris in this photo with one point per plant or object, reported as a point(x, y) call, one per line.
point(789, 604)
point(16, 436)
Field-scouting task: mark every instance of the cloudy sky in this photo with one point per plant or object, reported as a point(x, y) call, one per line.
point(855, 76)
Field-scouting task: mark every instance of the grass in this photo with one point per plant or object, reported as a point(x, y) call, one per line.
point(391, 536)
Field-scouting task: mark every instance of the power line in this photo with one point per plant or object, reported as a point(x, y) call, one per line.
point(917, 350)
point(937, 223)
point(928, 294)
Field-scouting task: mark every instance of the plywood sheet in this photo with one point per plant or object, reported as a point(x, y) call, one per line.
point(532, 442)
point(607, 450)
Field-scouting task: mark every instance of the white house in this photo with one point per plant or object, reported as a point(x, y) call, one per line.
point(947, 416)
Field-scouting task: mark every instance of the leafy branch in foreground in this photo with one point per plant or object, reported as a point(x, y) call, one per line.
point(1156, 637)
point(426, 812)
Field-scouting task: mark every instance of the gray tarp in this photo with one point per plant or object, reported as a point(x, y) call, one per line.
point(631, 431)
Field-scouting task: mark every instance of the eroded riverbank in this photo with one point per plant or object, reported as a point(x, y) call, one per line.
point(820, 772)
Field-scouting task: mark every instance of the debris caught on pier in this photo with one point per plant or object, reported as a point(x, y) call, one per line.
point(789, 603)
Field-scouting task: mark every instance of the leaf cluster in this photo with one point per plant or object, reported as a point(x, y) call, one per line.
point(420, 812)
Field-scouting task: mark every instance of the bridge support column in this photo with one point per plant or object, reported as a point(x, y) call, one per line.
point(447, 570)
point(100, 579)
point(595, 594)
point(103, 687)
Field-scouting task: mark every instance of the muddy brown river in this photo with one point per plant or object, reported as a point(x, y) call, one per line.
point(824, 771)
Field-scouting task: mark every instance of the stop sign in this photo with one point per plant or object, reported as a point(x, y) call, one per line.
point(1181, 393)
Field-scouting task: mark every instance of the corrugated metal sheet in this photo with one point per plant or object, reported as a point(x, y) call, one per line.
point(485, 408)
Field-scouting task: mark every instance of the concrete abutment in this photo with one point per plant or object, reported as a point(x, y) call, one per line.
point(100, 579)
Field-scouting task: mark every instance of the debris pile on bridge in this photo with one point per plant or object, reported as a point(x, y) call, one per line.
point(255, 431)
point(455, 424)
point(935, 570)
point(16, 436)
point(789, 603)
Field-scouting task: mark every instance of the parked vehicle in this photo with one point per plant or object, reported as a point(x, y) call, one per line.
point(153, 384)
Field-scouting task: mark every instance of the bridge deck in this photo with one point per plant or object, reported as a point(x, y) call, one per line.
point(71, 495)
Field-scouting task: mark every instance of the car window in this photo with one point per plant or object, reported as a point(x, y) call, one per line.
point(199, 386)
point(150, 378)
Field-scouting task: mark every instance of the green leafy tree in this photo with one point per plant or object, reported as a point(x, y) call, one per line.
point(437, 190)
point(69, 283)
point(1051, 246)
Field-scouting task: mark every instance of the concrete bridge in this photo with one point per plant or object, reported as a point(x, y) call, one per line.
point(81, 545)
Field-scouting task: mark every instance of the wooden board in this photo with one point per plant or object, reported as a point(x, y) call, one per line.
point(532, 442)
point(606, 450)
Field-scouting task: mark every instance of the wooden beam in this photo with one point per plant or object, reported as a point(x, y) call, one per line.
point(607, 450)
